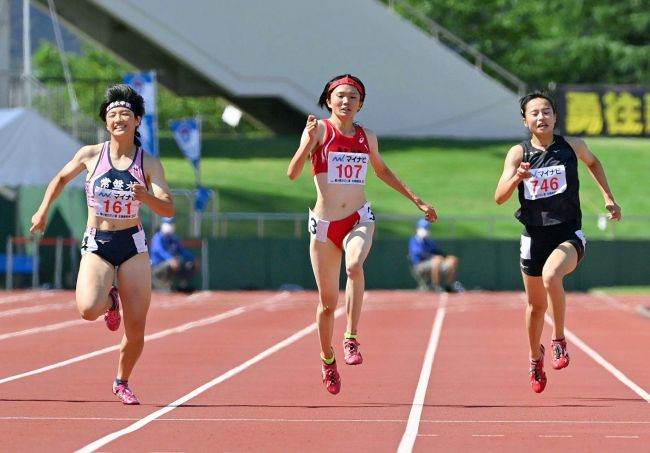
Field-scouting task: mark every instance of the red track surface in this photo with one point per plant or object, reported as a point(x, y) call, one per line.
point(218, 375)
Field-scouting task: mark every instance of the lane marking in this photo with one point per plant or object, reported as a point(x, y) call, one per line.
point(488, 435)
point(47, 328)
point(553, 436)
point(32, 295)
point(618, 374)
point(37, 309)
point(93, 446)
point(413, 424)
point(162, 334)
point(622, 437)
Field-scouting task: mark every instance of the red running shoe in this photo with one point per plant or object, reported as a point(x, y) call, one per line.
point(351, 352)
point(112, 316)
point(331, 378)
point(537, 375)
point(560, 357)
point(125, 394)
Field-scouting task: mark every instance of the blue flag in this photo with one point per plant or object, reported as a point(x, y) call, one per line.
point(145, 84)
point(187, 133)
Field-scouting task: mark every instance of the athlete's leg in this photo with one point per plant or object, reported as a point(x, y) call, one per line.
point(134, 281)
point(436, 270)
point(562, 261)
point(535, 311)
point(93, 284)
point(326, 264)
point(357, 246)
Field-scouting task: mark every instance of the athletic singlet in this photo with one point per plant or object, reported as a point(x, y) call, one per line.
point(108, 190)
point(345, 159)
point(550, 196)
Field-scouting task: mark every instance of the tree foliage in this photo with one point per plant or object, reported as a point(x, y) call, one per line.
point(95, 69)
point(577, 41)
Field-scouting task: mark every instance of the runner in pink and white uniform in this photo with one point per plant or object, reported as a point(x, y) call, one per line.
point(121, 176)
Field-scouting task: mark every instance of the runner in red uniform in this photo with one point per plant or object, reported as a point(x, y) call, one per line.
point(342, 220)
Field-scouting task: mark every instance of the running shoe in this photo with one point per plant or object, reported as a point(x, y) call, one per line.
point(537, 375)
point(112, 316)
point(125, 394)
point(560, 354)
point(331, 378)
point(351, 352)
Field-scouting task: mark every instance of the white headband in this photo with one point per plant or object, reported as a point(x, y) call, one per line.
point(114, 104)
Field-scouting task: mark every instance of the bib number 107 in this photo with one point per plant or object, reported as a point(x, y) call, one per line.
point(349, 171)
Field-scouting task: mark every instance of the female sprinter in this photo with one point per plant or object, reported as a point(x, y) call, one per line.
point(120, 177)
point(544, 170)
point(342, 220)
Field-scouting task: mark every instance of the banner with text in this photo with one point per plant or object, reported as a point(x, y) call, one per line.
point(608, 110)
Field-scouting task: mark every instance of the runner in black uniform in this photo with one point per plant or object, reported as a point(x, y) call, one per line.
point(544, 170)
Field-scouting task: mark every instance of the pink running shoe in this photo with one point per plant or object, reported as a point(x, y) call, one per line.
point(537, 375)
point(560, 357)
point(112, 316)
point(331, 378)
point(351, 351)
point(125, 394)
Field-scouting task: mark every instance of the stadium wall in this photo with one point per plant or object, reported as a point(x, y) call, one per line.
point(484, 264)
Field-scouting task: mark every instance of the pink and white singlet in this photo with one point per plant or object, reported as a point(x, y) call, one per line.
point(108, 190)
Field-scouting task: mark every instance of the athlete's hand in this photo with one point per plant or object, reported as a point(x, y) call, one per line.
point(39, 222)
point(312, 127)
point(523, 171)
point(429, 213)
point(139, 192)
point(614, 211)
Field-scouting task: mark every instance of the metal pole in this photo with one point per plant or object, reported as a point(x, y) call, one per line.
point(5, 53)
point(205, 264)
point(35, 253)
point(58, 263)
point(9, 280)
point(27, 55)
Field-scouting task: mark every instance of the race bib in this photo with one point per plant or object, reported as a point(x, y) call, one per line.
point(115, 204)
point(545, 182)
point(347, 168)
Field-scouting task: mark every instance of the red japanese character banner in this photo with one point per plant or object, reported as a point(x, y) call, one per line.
point(608, 110)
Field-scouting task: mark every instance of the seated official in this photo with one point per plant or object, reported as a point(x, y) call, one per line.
point(172, 265)
point(430, 263)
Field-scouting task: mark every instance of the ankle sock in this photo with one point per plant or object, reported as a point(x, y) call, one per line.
point(350, 336)
point(329, 361)
point(121, 382)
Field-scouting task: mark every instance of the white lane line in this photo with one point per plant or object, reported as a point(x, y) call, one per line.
point(32, 295)
point(47, 328)
point(553, 436)
point(621, 437)
point(413, 424)
point(37, 309)
point(488, 435)
point(164, 333)
point(205, 387)
point(599, 359)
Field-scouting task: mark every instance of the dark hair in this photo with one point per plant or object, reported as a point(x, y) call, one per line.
point(534, 95)
point(324, 96)
point(123, 92)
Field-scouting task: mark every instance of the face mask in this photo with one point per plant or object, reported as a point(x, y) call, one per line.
point(422, 232)
point(167, 228)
